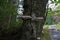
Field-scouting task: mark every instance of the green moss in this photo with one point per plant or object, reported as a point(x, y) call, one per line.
point(45, 36)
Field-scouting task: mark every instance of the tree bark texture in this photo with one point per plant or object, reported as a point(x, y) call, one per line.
point(38, 7)
point(30, 29)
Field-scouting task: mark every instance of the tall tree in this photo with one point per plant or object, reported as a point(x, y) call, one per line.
point(28, 28)
point(37, 7)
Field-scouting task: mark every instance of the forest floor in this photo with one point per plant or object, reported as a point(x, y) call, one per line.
point(51, 34)
point(46, 35)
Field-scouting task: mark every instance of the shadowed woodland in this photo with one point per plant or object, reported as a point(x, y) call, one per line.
point(11, 29)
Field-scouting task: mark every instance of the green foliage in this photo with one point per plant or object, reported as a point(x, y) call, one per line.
point(58, 25)
point(49, 18)
point(58, 9)
point(8, 15)
point(55, 1)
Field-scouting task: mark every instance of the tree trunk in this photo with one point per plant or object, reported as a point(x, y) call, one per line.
point(38, 7)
